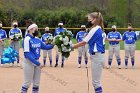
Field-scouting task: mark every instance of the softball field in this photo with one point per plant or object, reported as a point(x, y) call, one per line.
point(71, 79)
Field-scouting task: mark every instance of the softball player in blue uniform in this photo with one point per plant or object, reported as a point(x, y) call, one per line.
point(57, 31)
point(96, 48)
point(129, 38)
point(15, 43)
point(83, 49)
point(44, 39)
point(114, 38)
point(32, 67)
point(3, 36)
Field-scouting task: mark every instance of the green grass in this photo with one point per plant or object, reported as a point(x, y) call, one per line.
point(121, 44)
point(74, 41)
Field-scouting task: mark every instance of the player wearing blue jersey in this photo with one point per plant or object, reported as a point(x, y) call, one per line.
point(3, 36)
point(129, 38)
point(83, 49)
point(15, 35)
point(96, 48)
point(31, 66)
point(57, 31)
point(44, 39)
point(114, 37)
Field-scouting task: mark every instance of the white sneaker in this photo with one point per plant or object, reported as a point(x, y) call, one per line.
point(133, 67)
point(109, 67)
point(1, 65)
point(126, 67)
point(79, 66)
point(119, 67)
point(18, 64)
point(86, 66)
point(11, 64)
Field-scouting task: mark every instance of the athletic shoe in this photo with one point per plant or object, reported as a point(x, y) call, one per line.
point(11, 64)
point(50, 65)
point(119, 67)
point(79, 66)
point(133, 67)
point(109, 67)
point(62, 65)
point(126, 67)
point(86, 66)
point(56, 65)
point(18, 65)
point(1, 65)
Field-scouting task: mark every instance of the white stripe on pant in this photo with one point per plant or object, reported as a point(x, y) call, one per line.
point(98, 61)
point(31, 75)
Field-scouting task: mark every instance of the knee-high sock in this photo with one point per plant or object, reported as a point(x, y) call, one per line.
point(79, 60)
point(44, 60)
point(126, 62)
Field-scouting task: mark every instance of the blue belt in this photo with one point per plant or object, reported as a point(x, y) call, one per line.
point(97, 52)
point(114, 44)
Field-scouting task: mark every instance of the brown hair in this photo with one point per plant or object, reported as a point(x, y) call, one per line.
point(99, 19)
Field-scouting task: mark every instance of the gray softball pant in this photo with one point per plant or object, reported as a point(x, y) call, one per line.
point(98, 62)
point(31, 75)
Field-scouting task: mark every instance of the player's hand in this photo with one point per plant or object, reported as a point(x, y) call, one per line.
point(1, 41)
point(41, 66)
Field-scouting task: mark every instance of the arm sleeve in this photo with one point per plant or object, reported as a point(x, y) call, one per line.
point(136, 37)
point(46, 47)
point(90, 34)
point(27, 53)
point(124, 37)
point(33, 60)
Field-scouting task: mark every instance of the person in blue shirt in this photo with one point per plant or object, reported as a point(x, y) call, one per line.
point(32, 46)
point(83, 49)
point(44, 39)
point(57, 31)
point(15, 35)
point(114, 37)
point(3, 36)
point(96, 48)
point(129, 38)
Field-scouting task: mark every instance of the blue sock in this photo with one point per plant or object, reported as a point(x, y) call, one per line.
point(62, 59)
point(44, 60)
point(109, 62)
point(50, 61)
point(17, 60)
point(57, 57)
point(86, 60)
point(119, 61)
point(24, 89)
point(35, 89)
point(98, 90)
point(132, 61)
point(126, 62)
point(79, 60)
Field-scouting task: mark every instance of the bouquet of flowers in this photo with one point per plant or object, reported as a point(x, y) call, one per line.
point(16, 36)
point(49, 38)
point(9, 56)
point(64, 43)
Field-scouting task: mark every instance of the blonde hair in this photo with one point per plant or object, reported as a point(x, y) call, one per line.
point(99, 19)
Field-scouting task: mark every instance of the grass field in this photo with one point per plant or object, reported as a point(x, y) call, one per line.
point(107, 44)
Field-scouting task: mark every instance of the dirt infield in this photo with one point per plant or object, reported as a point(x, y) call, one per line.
point(71, 79)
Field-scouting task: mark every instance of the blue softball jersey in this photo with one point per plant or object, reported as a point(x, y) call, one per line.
point(58, 30)
point(44, 37)
point(129, 37)
point(81, 35)
point(114, 35)
point(95, 40)
point(14, 31)
point(32, 47)
point(3, 34)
